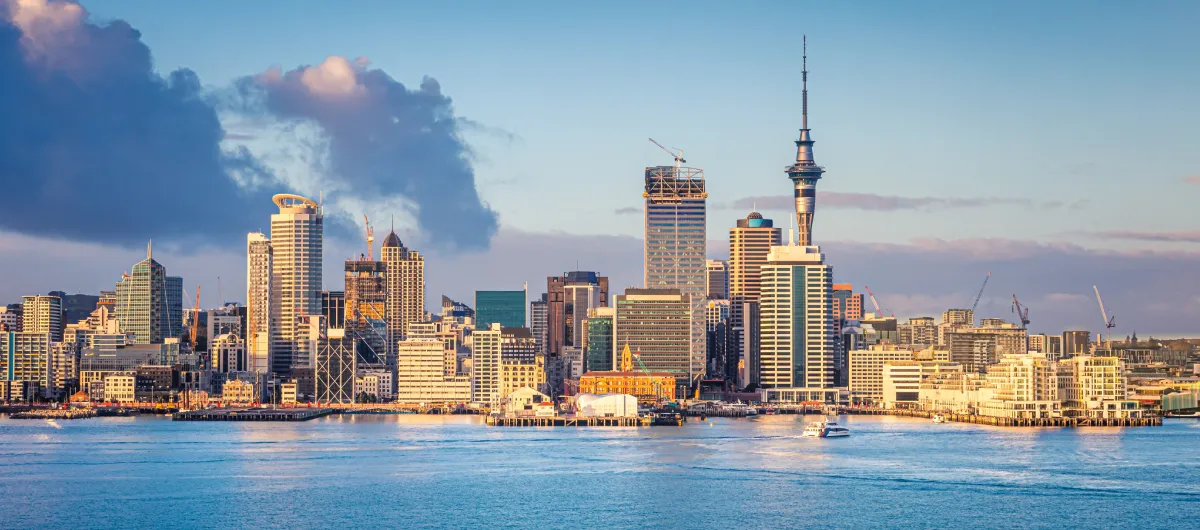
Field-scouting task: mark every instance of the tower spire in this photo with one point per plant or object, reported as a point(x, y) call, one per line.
point(804, 86)
point(805, 172)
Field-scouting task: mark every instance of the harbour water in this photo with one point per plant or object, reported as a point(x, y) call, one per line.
point(451, 471)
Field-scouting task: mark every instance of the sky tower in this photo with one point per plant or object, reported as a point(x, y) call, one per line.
point(805, 172)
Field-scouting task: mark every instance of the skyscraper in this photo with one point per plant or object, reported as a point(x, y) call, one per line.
point(718, 279)
point(150, 303)
point(297, 235)
point(797, 319)
point(258, 302)
point(805, 172)
point(42, 314)
point(598, 349)
point(675, 246)
point(486, 364)
point(538, 323)
point(656, 325)
point(568, 299)
point(506, 308)
point(749, 243)
point(405, 290)
point(366, 301)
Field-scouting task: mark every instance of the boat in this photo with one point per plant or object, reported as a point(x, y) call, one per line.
point(938, 418)
point(825, 429)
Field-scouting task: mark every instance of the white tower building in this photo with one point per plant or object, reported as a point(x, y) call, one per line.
point(796, 319)
point(258, 302)
point(296, 243)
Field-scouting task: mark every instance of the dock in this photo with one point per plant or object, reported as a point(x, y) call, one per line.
point(54, 414)
point(1149, 421)
point(254, 414)
point(566, 421)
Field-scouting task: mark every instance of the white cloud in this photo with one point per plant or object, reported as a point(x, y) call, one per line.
point(337, 76)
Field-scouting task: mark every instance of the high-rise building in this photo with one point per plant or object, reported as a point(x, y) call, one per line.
point(718, 279)
point(486, 364)
point(749, 243)
point(405, 290)
point(805, 172)
point(865, 380)
point(656, 325)
point(42, 314)
point(517, 345)
point(228, 353)
point(297, 239)
point(335, 362)
point(1076, 342)
point(150, 303)
point(538, 323)
point(750, 349)
point(11, 318)
point(797, 319)
point(258, 302)
point(366, 308)
point(506, 308)
point(676, 246)
point(847, 304)
point(26, 357)
point(598, 348)
point(568, 299)
point(421, 373)
point(333, 308)
point(919, 331)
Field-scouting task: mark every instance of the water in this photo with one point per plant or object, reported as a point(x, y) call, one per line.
point(431, 471)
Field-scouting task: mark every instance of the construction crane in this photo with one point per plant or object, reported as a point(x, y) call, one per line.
point(370, 238)
point(658, 398)
point(980, 295)
point(1109, 321)
point(1022, 312)
point(874, 302)
point(196, 318)
point(677, 156)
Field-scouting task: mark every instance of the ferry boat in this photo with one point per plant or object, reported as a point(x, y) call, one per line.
point(825, 429)
point(938, 418)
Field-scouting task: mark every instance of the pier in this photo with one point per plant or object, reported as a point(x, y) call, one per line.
point(54, 414)
point(297, 414)
point(1150, 421)
point(566, 421)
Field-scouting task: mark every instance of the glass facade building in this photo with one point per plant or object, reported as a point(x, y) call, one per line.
point(599, 349)
point(506, 308)
point(150, 303)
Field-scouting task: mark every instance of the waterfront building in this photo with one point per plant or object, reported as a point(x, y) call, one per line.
point(297, 239)
point(506, 308)
point(656, 324)
point(516, 374)
point(228, 353)
point(749, 243)
point(675, 248)
point(866, 370)
point(373, 384)
point(797, 319)
point(234, 391)
point(1095, 387)
point(598, 347)
point(259, 287)
point(149, 304)
point(64, 368)
point(111, 354)
point(539, 323)
point(524, 400)
point(26, 357)
point(120, 388)
point(901, 380)
point(718, 279)
point(487, 364)
point(422, 375)
point(568, 299)
point(42, 314)
point(288, 394)
point(648, 387)
point(1076, 342)
point(954, 392)
point(335, 364)
point(1025, 387)
point(405, 291)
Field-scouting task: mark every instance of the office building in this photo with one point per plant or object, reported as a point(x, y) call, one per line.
point(486, 364)
point(718, 279)
point(539, 322)
point(749, 338)
point(333, 308)
point(847, 304)
point(149, 304)
point(676, 245)
point(297, 239)
point(1076, 342)
point(405, 290)
point(568, 299)
point(866, 371)
point(421, 372)
point(120, 388)
point(506, 308)
point(228, 353)
point(259, 287)
point(598, 347)
point(42, 314)
point(656, 325)
point(516, 374)
point(749, 243)
point(797, 319)
point(517, 345)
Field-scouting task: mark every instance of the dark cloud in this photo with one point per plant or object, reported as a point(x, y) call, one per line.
point(94, 145)
point(891, 203)
point(1185, 236)
point(385, 141)
point(627, 210)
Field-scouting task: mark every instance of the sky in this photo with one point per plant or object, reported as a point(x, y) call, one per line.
point(1049, 144)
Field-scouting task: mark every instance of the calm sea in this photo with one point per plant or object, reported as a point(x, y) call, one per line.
point(429, 471)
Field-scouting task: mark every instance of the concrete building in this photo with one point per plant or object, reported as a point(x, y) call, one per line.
point(373, 385)
point(120, 388)
point(676, 246)
point(42, 314)
point(1076, 342)
point(487, 365)
point(228, 353)
point(234, 391)
point(847, 304)
point(750, 349)
point(539, 323)
point(11, 318)
point(259, 286)
point(718, 279)
point(516, 374)
point(405, 291)
point(506, 308)
point(902, 380)
point(959, 317)
point(25, 357)
point(598, 348)
point(797, 319)
point(149, 304)
point(656, 325)
point(297, 240)
point(517, 345)
point(421, 371)
point(749, 243)
point(976, 348)
point(866, 370)
point(568, 299)
point(1025, 387)
point(919, 332)
point(1095, 387)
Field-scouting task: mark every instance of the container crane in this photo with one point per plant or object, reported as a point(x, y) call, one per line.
point(874, 302)
point(677, 156)
point(980, 295)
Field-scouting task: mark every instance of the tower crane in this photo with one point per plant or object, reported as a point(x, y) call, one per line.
point(1109, 321)
point(874, 302)
point(370, 238)
point(980, 295)
point(196, 318)
point(677, 156)
point(1023, 314)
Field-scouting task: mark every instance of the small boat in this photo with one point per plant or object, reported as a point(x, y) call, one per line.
point(938, 418)
point(825, 429)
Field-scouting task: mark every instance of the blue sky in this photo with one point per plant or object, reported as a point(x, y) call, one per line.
point(1051, 143)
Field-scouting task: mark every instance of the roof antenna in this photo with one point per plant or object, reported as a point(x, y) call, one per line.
point(804, 91)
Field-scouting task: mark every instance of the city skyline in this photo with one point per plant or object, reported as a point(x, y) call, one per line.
point(922, 250)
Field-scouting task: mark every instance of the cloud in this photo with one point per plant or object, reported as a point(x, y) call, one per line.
point(1192, 179)
point(378, 141)
point(96, 146)
point(891, 203)
point(627, 210)
point(1183, 236)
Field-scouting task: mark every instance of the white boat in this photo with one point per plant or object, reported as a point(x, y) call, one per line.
point(938, 418)
point(825, 429)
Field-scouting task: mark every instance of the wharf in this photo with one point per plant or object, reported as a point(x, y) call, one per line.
point(304, 414)
point(565, 421)
point(1151, 421)
point(54, 414)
